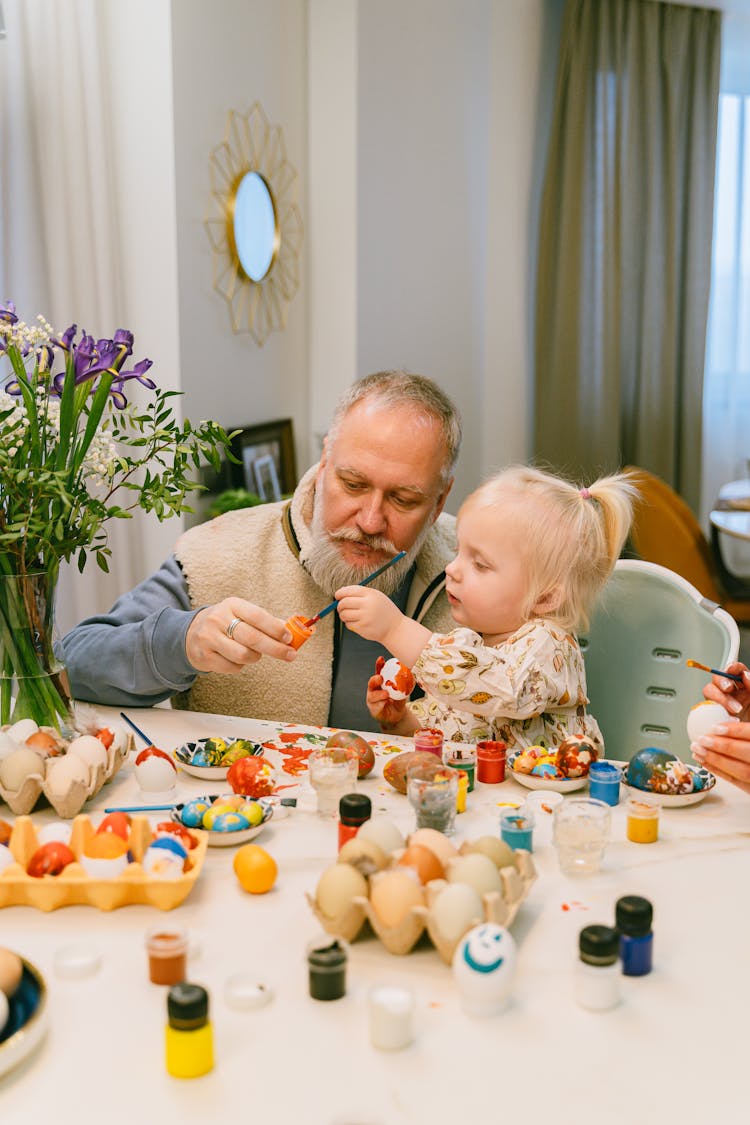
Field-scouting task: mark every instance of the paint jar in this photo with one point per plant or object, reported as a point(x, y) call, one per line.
point(429, 739)
point(580, 833)
point(167, 949)
point(604, 782)
point(461, 758)
point(333, 773)
point(491, 762)
point(300, 632)
point(433, 797)
point(597, 980)
point(517, 829)
point(391, 1017)
point(189, 1037)
point(633, 917)
point(642, 819)
point(326, 961)
point(463, 789)
point(354, 810)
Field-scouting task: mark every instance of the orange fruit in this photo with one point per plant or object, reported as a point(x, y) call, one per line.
point(255, 869)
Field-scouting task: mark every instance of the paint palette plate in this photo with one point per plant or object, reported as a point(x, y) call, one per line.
point(27, 1021)
point(677, 800)
point(185, 755)
point(554, 784)
point(227, 839)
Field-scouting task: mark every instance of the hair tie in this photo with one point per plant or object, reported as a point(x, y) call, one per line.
point(585, 493)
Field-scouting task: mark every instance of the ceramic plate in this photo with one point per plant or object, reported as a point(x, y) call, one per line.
point(677, 800)
point(228, 839)
point(27, 1022)
point(556, 785)
point(184, 755)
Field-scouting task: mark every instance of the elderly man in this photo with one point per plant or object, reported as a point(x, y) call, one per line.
point(197, 629)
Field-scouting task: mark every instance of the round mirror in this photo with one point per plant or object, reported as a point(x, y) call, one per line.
point(255, 230)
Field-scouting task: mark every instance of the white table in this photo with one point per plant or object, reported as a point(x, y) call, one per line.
point(674, 1049)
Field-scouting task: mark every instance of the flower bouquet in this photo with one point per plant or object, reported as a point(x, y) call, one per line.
point(73, 455)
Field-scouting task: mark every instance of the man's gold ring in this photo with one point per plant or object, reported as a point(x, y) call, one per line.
point(232, 626)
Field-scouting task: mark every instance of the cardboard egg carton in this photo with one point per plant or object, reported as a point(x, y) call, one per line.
point(69, 803)
point(498, 906)
point(74, 887)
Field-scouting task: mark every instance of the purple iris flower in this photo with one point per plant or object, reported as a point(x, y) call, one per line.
point(139, 373)
point(8, 313)
point(66, 340)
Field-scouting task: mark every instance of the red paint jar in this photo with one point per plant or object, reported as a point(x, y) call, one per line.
point(491, 762)
point(429, 739)
point(354, 810)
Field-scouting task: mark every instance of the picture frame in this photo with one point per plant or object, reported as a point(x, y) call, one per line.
point(267, 464)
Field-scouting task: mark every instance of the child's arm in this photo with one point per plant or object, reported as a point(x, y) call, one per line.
point(394, 715)
point(376, 618)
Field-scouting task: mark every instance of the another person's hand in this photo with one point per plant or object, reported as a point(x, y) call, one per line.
point(254, 633)
point(734, 697)
point(726, 751)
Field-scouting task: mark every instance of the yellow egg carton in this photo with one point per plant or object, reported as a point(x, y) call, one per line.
point(498, 906)
point(74, 887)
point(70, 802)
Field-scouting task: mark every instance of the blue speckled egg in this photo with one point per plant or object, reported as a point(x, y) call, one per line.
point(545, 769)
point(203, 756)
point(192, 813)
point(648, 768)
point(230, 822)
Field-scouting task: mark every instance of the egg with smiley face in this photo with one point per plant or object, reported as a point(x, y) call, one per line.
point(483, 967)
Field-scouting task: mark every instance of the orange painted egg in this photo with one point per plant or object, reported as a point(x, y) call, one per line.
point(50, 859)
point(117, 823)
point(423, 861)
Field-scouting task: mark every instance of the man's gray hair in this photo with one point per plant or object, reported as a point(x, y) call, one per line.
point(398, 388)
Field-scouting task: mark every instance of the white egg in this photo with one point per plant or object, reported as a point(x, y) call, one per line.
point(395, 674)
point(156, 775)
point(104, 868)
point(456, 909)
point(382, 832)
point(477, 870)
point(90, 750)
point(63, 773)
point(703, 718)
point(337, 886)
point(161, 864)
point(22, 729)
point(56, 832)
point(4, 1011)
point(18, 766)
point(7, 745)
point(6, 860)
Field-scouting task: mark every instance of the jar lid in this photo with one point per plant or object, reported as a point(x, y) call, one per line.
point(327, 956)
point(187, 1006)
point(491, 750)
point(599, 945)
point(356, 807)
point(633, 915)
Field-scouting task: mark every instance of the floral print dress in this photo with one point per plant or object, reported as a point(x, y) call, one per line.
point(528, 691)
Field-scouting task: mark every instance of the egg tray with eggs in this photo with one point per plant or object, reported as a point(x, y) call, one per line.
point(37, 761)
point(74, 886)
point(427, 886)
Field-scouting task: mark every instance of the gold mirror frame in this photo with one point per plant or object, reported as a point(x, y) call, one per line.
point(252, 145)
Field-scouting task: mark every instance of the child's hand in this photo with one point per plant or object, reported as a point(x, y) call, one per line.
point(387, 711)
point(367, 612)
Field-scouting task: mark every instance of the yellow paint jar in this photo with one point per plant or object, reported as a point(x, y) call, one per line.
point(642, 820)
point(463, 789)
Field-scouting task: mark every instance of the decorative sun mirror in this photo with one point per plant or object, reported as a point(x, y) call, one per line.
point(254, 224)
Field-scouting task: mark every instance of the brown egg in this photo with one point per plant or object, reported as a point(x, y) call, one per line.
point(425, 862)
point(11, 971)
point(42, 742)
point(394, 893)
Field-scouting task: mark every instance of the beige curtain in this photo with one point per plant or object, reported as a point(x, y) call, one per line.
point(625, 240)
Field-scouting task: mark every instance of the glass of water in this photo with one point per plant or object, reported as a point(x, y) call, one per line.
point(580, 832)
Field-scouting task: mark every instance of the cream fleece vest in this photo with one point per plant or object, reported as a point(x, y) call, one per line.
point(252, 554)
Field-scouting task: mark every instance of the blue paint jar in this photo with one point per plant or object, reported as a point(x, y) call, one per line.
point(604, 782)
point(517, 829)
point(633, 917)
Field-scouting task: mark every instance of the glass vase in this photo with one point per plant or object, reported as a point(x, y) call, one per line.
point(33, 682)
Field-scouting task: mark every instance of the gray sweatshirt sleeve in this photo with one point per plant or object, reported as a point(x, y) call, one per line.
point(135, 654)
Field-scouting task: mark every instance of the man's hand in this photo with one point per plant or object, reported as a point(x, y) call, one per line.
point(254, 633)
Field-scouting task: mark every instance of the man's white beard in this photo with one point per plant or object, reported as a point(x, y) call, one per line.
point(330, 571)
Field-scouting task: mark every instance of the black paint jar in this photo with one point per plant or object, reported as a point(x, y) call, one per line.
point(326, 959)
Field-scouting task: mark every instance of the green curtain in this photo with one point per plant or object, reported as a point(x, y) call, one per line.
point(625, 241)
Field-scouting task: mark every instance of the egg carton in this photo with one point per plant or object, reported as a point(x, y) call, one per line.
point(499, 906)
point(74, 887)
point(69, 802)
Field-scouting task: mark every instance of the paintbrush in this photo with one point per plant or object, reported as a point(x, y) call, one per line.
point(736, 676)
point(137, 730)
point(365, 582)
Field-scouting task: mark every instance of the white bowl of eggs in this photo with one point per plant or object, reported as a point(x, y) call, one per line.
point(38, 760)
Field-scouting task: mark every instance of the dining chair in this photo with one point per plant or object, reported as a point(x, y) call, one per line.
point(647, 623)
point(666, 532)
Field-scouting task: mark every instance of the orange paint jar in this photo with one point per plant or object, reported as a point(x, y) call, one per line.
point(300, 632)
point(642, 820)
point(167, 955)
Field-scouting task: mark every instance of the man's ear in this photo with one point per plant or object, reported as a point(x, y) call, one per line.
point(322, 461)
point(548, 602)
point(441, 499)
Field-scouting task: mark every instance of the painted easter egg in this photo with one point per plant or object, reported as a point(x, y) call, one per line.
point(659, 771)
point(230, 822)
point(240, 748)
point(398, 680)
point(575, 754)
point(253, 777)
point(483, 966)
point(350, 740)
point(192, 813)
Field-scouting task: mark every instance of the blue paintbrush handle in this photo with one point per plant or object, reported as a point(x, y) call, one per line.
point(365, 582)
